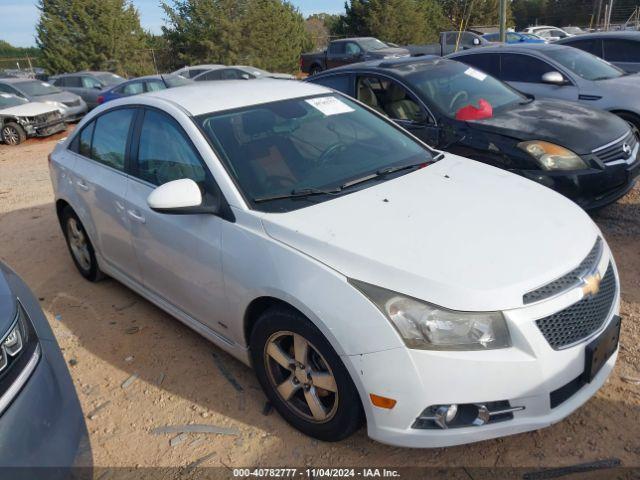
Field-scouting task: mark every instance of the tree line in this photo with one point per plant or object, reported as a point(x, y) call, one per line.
point(106, 34)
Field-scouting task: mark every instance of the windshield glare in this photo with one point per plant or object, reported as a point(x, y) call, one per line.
point(109, 79)
point(176, 81)
point(584, 64)
point(454, 88)
point(306, 143)
point(36, 88)
point(8, 101)
point(369, 44)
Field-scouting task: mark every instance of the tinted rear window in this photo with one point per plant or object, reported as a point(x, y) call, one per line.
point(110, 138)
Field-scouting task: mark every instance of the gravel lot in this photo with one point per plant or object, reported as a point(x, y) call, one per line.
point(108, 334)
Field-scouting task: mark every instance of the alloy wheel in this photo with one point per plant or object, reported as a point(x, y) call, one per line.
point(78, 244)
point(10, 135)
point(301, 376)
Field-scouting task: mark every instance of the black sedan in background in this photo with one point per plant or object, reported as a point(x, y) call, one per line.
point(41, 423)
point(588, 155)
point(619, 48)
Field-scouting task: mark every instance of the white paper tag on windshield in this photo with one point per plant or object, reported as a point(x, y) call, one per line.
point(478, 75)
point(330, 105)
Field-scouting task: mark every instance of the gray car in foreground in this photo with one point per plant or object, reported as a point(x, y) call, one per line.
point(71, 106)
point(87, 85)
point(41, 423)
point(557, 71)
point(619, 48)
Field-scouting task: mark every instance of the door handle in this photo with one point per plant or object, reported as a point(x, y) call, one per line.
point(137, 217)
point(82, 185)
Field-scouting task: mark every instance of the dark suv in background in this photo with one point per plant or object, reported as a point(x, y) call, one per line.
point(41, 423)
point(588, 155)
point(87, 85)
point(619, 48)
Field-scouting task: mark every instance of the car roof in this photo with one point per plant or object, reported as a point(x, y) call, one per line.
point(511, 47)
point(353, 39)
point(18, 79)
point(207, 97)
point(626, 34)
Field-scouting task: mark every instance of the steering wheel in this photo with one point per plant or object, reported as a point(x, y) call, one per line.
point(327, 155)
point(461, 96)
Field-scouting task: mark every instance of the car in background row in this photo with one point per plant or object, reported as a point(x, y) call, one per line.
point(88, 85)
point(20, 119)
point(192, 71)
point(71, 106)
point(515, 37)
point(136, 86)
point(349, 50)
point(548, 33)
point(425, 292)
point(464, 111)
point(41, 422)
point(449, 42)
point(561, 72)
point(622, 49)
point(239, 72)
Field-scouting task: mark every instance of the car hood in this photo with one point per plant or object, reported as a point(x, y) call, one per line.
point(574, 126)
point(388, 52)
point(8, 306)
point(458, 233)
point(281, 76)
point(28, 109)
point(58, 97)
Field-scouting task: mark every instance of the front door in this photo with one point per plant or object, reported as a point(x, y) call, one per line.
point(179, 255)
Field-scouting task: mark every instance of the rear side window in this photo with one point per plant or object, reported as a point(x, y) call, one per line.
point(337, 82)
point(621, 51)
point(60, 82)
point(155, 85)
point(337, 48)
point(165, 154)
point(485, 62)
point(84, 147)
point(89, 82)
point(523, 68)
point(586, 45)
point(110, 138)
point(132, 88)
point(73, 82)
point(212, 75)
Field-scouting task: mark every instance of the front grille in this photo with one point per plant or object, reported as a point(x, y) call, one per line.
point(568, 281)
point(582, 319)
point(73, 103)
point(611, 153)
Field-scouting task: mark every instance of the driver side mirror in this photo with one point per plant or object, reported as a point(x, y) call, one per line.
point(476, 42)
point(179, 197)
point(553, 78)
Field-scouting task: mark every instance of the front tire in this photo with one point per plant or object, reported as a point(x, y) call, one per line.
point(303, 377)
point(314, 70)
point(80, 247)
point(13, 134)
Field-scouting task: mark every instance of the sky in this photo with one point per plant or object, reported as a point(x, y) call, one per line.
point(18, 18)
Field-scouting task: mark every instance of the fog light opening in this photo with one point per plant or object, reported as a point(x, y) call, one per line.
point(445, 414)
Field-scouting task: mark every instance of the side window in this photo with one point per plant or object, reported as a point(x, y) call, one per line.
point(155, 85)
point(194, 72)
point(337, 82)
point(621, 51)
point(7, 89)
point(230, 74)
point(60, 82)
point(212, 75)
point(88, 82)
point(467, 39)
point(73, 82)
point(165, 154)
point(523, 68)
point(84, 145)
point(110, 137)
point(352, 49)
point(133, 88)
point(337, 48)
point(450, 39)
point(389, 98)
point(485, 62)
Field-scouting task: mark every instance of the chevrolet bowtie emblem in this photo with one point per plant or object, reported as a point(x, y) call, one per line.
point(591, 284)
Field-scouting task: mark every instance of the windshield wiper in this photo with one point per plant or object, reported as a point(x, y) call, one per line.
point(385, 171)
point(304, 192)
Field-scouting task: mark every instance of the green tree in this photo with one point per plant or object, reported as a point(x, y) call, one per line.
point(474, 12)
point(91, 34)
point(398, 21)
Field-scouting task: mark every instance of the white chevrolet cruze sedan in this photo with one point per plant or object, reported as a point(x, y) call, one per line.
point(362, 274)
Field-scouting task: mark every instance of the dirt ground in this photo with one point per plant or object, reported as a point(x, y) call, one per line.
point(108, 334)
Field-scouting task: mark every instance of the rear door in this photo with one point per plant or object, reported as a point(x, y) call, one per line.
point(624, 54)
point(524, 72)
point(101, 184)
point(179, 255)
point(336, 54)
point(91, 89)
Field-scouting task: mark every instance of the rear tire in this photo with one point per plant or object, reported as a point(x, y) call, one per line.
point(314, 70)
point(293, 362)
point(80, 247)
point(13, 134)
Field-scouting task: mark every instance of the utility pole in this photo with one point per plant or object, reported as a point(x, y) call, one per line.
point(599, 13)
point(610, 12)
point(503, 20)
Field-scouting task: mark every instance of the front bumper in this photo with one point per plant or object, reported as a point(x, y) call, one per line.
point(525, 375)
point(592, 188)
point(73, 114)
point(45, 129)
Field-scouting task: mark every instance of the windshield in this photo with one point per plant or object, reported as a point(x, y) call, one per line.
point(306, 143)
point(456, 90)
point(8, 101)
point(369, 44)
point(176, 81)
point(584, 64)
point(36, 88)
point(109, 79)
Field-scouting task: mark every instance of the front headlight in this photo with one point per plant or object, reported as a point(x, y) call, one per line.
point(551, 156)
point(428, 327)
point(60, 106)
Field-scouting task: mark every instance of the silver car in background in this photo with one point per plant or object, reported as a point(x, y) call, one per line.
point(88, 85)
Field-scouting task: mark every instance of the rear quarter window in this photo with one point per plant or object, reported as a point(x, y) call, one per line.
point(337, 82)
